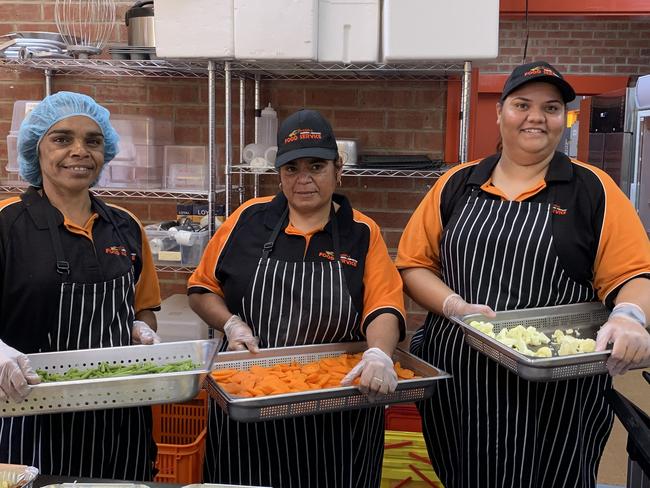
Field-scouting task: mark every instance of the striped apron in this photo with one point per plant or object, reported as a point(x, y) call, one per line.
point(292, 304)
point(109, 444)
point(487, 427)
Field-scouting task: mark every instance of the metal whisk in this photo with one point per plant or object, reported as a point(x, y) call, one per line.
point(85, 25)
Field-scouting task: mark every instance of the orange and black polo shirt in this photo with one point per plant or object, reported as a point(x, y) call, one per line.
point(599, 238)
point(29, 290)
point(233, 254)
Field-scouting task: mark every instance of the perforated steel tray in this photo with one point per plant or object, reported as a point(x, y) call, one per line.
point(96, 485)
point(584, 317)
point(125, 391)
point(316, 401)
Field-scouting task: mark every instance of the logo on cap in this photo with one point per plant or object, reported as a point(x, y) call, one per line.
point(541, 70)
point(303, 134)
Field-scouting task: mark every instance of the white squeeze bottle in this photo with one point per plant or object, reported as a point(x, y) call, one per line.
point(268, 127)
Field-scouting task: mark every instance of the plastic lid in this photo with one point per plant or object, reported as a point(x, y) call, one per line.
point(269, 111)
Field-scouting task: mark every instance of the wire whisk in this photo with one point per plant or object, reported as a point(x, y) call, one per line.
point(85, 25)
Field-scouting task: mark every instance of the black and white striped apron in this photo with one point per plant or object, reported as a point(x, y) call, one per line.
point(486, 427)
point(290, 304)
point(109, 444)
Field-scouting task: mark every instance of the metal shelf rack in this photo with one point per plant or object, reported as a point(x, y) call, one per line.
point(344, 71)
point(155, 68)
point(333, 71)
point(227, 70)
point(350, 171)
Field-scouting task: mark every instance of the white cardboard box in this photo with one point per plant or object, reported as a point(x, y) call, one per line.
point(276, 29)
point(440, 30)
point(194, 29)
point(177, 321)
point(348, 31)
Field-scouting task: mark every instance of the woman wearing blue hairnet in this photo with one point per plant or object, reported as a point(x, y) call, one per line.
point(76, 274)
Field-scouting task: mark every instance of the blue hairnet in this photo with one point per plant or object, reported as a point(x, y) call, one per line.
point(51, 110)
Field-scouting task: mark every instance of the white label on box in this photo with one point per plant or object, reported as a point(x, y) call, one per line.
point(169, 256)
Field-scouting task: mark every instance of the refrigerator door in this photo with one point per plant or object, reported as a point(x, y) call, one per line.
point(596, 149)
point(643, 186)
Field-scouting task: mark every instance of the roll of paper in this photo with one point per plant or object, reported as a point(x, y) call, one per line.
point(259, 164)
point(253, 151)
point(270, 154)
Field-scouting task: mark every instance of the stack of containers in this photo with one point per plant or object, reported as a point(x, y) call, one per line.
point(258, 37)
point(21, 109)
point(422, 30)
point(348, 31)
point(139, 164)
point(186, 167)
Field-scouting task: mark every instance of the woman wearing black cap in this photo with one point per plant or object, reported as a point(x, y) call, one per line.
point(527, 227)
point(299, 268)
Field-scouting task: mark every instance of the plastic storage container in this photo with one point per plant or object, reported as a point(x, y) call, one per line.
point(196, 29)
point(12, 152)
point(257, 35)
point(21, 109)
point(186, 167)
point(176, 248)
point(140, 155)
point(178, 322)
point(141, 129)
point(414, 30)
point(179, 430)
point(268, 127)
point(348, 31)
point(404, 417)
point(135, 175)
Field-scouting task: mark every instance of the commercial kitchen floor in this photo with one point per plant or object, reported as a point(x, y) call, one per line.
point(613, 465)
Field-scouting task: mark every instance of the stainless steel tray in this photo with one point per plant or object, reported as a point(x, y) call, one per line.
point(584, 317)
point(219, 485)
point(96, 485)
point(125, 391)
point(316, 401)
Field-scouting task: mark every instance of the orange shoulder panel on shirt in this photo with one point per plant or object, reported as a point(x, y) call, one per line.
point(204, 274)
point(419, 246)
point(624, 249)
point(8, 201)
point(147, 288)
point(382, 283)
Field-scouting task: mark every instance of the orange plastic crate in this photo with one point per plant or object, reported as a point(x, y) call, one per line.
point(404, 417)
point(179, 430)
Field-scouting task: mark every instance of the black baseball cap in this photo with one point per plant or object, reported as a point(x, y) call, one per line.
point(537, 71)
point(305, 134)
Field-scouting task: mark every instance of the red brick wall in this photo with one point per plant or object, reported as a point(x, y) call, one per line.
point(387, 117)
point(589, 46)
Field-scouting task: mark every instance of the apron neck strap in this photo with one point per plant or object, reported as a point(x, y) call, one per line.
point(267, 249)
point(62, 266)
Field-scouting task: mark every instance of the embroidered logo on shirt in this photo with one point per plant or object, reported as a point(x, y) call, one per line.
point(345, 258)
point(557, 210)
point(350, 261)
point(329, 255)
point(117, 251)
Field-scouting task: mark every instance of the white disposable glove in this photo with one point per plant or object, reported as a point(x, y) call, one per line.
point(16, 374)
point(378, 377)
point(625, 328)
point(141, 333)
point(240, 336)
point(454, 305)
